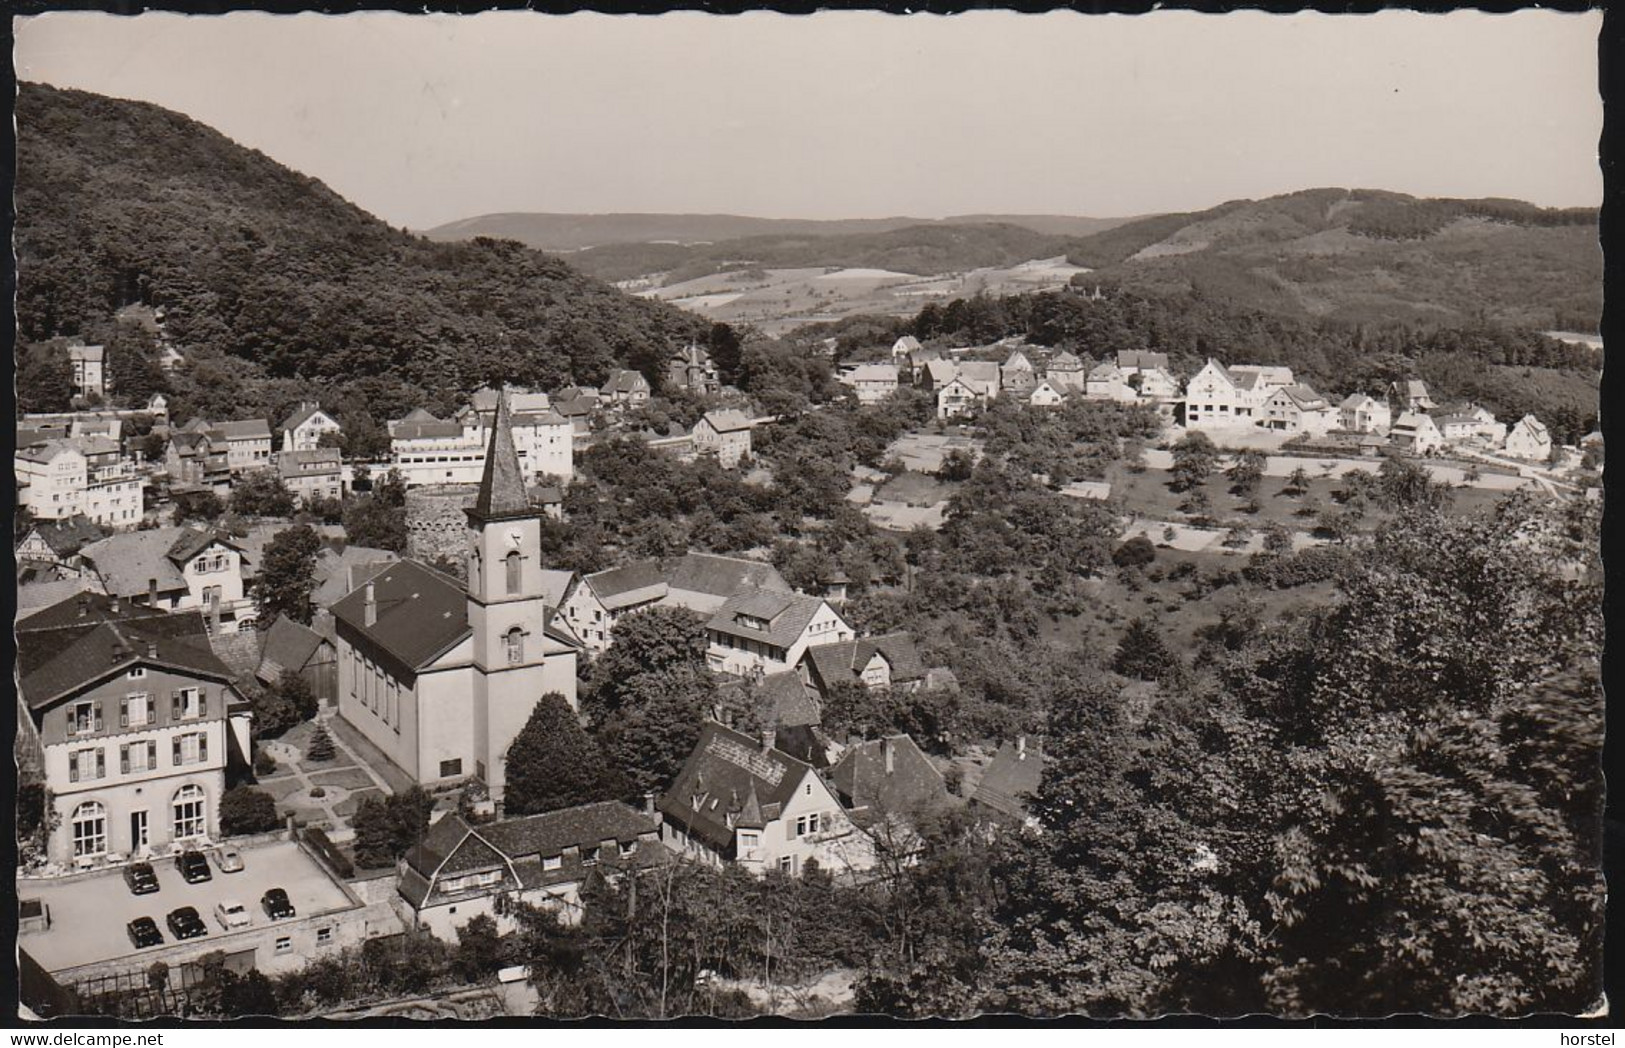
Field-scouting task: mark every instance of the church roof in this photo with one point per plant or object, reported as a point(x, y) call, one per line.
point(502, 488)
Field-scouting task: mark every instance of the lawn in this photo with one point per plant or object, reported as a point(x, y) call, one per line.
point(351, 778)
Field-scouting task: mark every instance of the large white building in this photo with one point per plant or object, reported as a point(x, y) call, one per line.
point(766, 630)
point(441, 676)
point(428, 450)
point(1221, 396)
point(79, 476)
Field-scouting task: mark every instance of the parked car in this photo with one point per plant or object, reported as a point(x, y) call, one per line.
point(232, 914)
point(194, 867)
point(144, 932)
point(277, 906)
point(230, 860)
point(141, 878)
point(184, 923)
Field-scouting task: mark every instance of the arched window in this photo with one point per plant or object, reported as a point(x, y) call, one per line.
point(512, 560)
point(515, 641)
point(89, 829)
point(190, 812)
point(474, 569)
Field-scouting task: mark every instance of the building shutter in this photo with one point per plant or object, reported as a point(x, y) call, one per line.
point(202, 702)
point(176, 744)
point(101, 763)
point(175, 705)
point(203, 748)
point(124, 760)
point(152, 755)
point(96, 716)
point(73, 767)
point(124, 714)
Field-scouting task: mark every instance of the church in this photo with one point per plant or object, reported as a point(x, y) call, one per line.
point(440, 675)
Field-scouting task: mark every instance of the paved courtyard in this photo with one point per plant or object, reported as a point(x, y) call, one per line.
point(326, 793)
point(89, 914)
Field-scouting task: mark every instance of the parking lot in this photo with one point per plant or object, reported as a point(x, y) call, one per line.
point(89, 915)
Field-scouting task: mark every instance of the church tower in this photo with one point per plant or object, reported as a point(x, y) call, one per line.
point(515, 660)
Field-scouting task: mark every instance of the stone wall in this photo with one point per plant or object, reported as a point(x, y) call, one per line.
point(436, 525)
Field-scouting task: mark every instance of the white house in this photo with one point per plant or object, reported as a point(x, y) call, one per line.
point(89, 375)
point(1360, 413)
point(79, 476)
point(724, 433)
point(871, 382)
point(740, 800)
point(1109, 382)
point(1066, 372)
point(1416, 432)
point(1044, 395)
point(176, 569)
point(767, 629)
point(304, 429)
point(959, 398)
point(1298, 409)
point(1528, 439)
point(1216, 397)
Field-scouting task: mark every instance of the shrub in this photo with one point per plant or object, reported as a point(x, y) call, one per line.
point(264, 763)
point(329, 852)
point(1135, 552)
point(247, 809)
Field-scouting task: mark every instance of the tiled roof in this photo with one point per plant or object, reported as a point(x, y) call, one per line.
point(846, 659)
point(307, 461)
point(635, 583)
point(424, 429)
point(1011, 778)
point(871, 373)
point(787, 615)
point(626, 380)
point(941, 371)
point(555, 584)
point(56, 662)
point(305, 413)
point(785, 702)
point(1356, 400)
point(912, 784)
point(128, 560)
point(728, 420)
point(1140, 358)
point(1303, 396)
point(67, 537)
point(720, 576)
point(729, 773)
point(1535, 426)
point(244, 429)
point(288, 646)
point(421, 612)
point(35, 596)
point(980, 372)
point(46, 452)
point(1064, 361)
point(583, 826)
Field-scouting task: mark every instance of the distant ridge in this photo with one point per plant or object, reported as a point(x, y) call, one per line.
point(574, 232)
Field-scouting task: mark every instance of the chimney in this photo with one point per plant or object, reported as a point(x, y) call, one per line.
point(769, 737)
point(891, 756)
point(369, 607)
point(1021, 747)
point(649, 804)
point(119, 653)
point(152, 593)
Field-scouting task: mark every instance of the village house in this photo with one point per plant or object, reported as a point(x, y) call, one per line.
point(442, 676)
point(700, 582)
point(290, 647)
point(197, 460)
point(770, 630)
point(692, 368)
point(1219, 396)
point(872, 383)
point(1416, 433)
point(936, 373)
point(1010, 781)
point(725, 434)
point(958, 399)
point(626, 387)
point(79, 476)
point(1066, 372)
point(460, 871)
point(545, 441)
point(312, 474)
point(1016, 374)
point(1298, 409)
point(304, 429)
point(742, 800)
point(886, 785)
point(1528, 439)
point(1465, 421)
point(904, 349)
point(1360, 413)
point(1133, 361)
point(1108, 382)
point(1267, 376)
point(176, 569)
point(247, 441)
point(55, 544)
point(428, 450)
point(1045, 395)
point(1410, 395)
point(126, 710)
point(89, 373)
point(1155, 385)
point(887, 661)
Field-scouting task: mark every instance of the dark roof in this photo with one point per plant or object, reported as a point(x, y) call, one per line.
point(846, 659)
point(786, 615)
point(721, 576)
point(729, 774)
point(1011, 778)
point(913, 783)
point(783, 700)
point(305, 413)
point(69, 536)
point(583, 826)
point(92, 608)
point(502, 488)
point(57, 662)
point(626, 380)
point(243, 429)
point(1141, 358)
point(635, 583)
point(288, 646)
point(421, 612)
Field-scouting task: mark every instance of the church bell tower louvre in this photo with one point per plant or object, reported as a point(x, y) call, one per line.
point(514, 661)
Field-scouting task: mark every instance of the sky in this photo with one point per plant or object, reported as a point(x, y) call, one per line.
point(427, 119)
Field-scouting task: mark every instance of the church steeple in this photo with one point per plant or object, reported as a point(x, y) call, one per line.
point(502, 488)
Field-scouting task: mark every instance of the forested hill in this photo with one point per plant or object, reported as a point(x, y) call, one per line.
point(121, 201)
point(1367, 255)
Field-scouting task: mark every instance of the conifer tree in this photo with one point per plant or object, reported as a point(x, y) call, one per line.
point(553, 763)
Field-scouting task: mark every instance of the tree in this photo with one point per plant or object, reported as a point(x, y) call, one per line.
point(1296, 484)
point(1136, 552)
point(1246, 473)
point(320, 748)
point(200, 505)
point(247, 809)
point(386, 828)
point(261, 493)
point(370, 521)
point(1194, 458)
point(287, 702)
point(479, 948)
point(553, 763)
point(287, 575)
point(44, 380)
point(1142, 653)
point(956, 466)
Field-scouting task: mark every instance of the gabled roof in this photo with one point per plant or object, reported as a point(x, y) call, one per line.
point(126, 561)
point(1303, 396)
point(35, 596)
point(1017, 360)
point(288, 646)
point(871, 373)
point(307, 461)
point(1065, 361)
point(1355, 401)
point(691, 355)
point(636, 583)
point(244, 429)
point(906, 344)
point(728, 420)
point(730, 774)
point(983, 372)
point(68, 536)
point(626, 380)
point(1534, 426)
point(583, 826)
point(787, 616)
point(847, 659)
point(911, 785)
point(502, 492)
point(1107, 372)
point(58, 662)
point(1413, 420)
point(718, 576)
point(80, 351)
point(941, 371)
point(305, 413)
point(47, 451)
point(1013, 776)
point(784, 701)
point(421, 613)
point(71, 609)
point(1141, 358)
